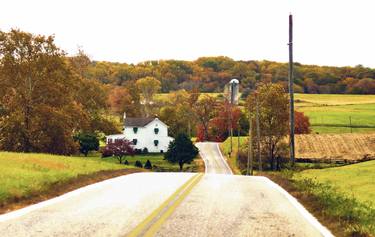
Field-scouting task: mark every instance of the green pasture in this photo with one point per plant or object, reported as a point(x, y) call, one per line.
point(156, 159)
point(356, 180)
point(338, 113)
point(23, 174)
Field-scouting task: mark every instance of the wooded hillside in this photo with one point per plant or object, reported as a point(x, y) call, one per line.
point(210, 74)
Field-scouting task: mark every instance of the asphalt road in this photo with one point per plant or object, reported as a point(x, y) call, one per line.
point(169, 204)
point(213, 159)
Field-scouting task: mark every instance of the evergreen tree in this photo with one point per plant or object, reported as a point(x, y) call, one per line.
point(87, 142)
point(181, 151)
point(148, 165)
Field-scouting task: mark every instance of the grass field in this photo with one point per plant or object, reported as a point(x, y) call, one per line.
point(155, 159)
point(335, 99)
point(356, 180)
point(24, 174)
point(329, 113)
point(25, 177)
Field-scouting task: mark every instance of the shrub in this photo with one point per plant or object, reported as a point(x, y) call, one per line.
point(105, 153)
point(138, 164)
point(145, 150)
point(138, 151)
point(87, 142)
point(126, 162)
point(148, 165)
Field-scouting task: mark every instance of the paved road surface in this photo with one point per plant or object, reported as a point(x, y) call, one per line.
point(147, 204)
point(213, 159)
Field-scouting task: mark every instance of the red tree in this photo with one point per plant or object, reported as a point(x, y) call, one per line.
point(119, 148)
point(200, 133)
point(302, 124)
point(218, 127)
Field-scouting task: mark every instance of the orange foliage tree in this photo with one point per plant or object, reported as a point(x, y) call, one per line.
point(302, 123)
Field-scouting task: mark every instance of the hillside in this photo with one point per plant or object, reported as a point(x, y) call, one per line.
point(26, 176)
point(355, 180)
point(210, 74)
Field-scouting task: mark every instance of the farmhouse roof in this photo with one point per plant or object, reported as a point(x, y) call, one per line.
point(137, 122)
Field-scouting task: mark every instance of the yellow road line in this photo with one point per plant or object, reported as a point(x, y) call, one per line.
point(150, 225)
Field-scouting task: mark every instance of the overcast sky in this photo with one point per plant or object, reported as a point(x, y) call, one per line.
point(327, 32)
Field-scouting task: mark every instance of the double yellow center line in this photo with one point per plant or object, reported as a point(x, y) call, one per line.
point(150, 225)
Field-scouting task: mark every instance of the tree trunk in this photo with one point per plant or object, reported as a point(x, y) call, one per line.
point(181, 164)
point(278, 163)
point(205, 131)
point(26, 141)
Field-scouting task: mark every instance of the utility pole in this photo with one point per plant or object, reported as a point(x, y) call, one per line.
point(258, 134)
point(231, 127)
point(238, 139)
point(249, 169)
point(291, 95)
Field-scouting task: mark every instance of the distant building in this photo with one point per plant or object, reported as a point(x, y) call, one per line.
point(150, 133)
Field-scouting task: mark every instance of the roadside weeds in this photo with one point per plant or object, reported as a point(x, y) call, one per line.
point(343, 215)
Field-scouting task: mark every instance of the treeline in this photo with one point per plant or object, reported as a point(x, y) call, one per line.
point(210, 74)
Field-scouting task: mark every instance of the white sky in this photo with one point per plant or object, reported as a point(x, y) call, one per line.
point(327, 32)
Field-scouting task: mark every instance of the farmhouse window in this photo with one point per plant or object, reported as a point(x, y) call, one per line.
point(156, 130)
point(135, 141)
point(156, 142)
point(135, 129)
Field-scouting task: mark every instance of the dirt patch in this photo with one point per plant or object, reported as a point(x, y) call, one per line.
point(60, 188)
point(309, 203)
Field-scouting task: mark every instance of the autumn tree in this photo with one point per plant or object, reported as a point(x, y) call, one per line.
point(134, 108)
point(44, 99)
point(119, 99)
point(273, 119)
point(227, 116)
point(80, 62)
point(148, 86)
point(178, 112)
point(205, 111)
point(302, 123)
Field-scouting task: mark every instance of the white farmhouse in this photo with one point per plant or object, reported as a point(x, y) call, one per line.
point(150, 133)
